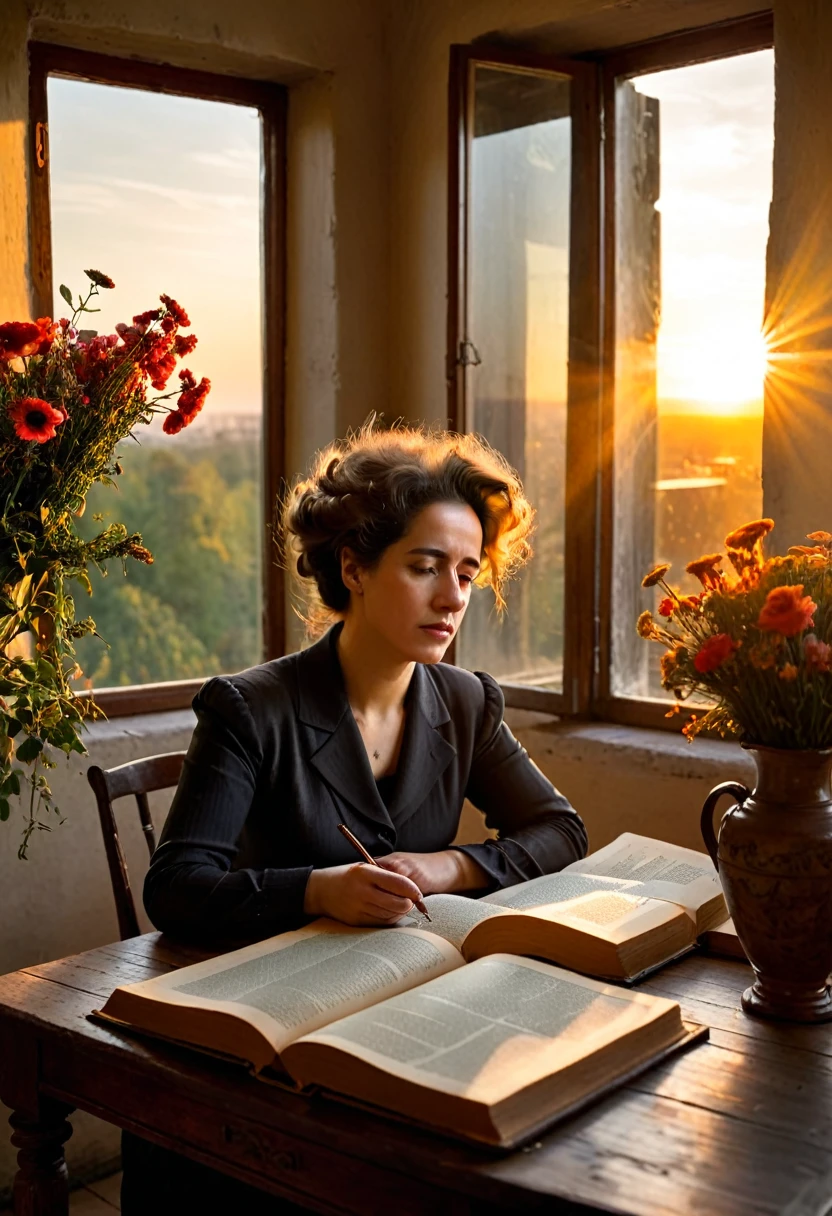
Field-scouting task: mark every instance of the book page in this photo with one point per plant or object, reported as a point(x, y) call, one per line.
point(662, 870)
point(291, 984)
point(614, 909)
point(492, 1027)
point(453, 916)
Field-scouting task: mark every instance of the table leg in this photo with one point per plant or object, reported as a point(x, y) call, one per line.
point(41, 1185)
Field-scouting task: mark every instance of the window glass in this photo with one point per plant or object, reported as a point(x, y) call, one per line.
point(517, 348)
point(694, 150)
point(163, 194)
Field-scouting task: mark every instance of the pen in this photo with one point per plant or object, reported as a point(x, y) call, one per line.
point(371, 861)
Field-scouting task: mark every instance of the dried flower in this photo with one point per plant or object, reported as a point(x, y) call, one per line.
point(140, 553)
point(706, 569)
point(749, 535)
point(713, 652)
point(655, 575)
point(645, 627)
point(787, 611)
point(100, 280)
point(820, 538)
point(35, 420)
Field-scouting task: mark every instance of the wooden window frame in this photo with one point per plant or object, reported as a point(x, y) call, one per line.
point(583, 411)
point(46, 59)
point(590, 439)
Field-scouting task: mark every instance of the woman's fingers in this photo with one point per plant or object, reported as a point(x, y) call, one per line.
point(394, 883)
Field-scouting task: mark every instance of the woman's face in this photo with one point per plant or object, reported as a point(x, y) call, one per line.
point(416, 596)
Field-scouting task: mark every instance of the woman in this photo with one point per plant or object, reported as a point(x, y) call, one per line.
point(366, 727)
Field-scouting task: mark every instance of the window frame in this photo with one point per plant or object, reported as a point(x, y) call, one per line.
point(590, 445)
point(48, 59)
point(583, 409)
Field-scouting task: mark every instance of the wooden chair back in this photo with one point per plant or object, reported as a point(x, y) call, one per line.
point(139, 778)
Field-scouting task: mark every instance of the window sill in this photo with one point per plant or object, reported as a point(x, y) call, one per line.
point(641, 749)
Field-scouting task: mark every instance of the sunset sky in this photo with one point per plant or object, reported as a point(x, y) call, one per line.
point(717, 143)
point(162, 194)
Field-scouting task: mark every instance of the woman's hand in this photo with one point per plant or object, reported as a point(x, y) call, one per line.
point(449, 870)
point(360, 894)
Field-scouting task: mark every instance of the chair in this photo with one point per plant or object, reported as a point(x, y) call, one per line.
point(139, 777)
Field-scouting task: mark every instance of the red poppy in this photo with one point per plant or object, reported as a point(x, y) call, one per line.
point(21, 338)
point(714, 652)
point(176, 310)
point(35, 419)
point(787, 611)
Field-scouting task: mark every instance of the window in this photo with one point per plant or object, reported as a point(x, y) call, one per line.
point(154, 176)
point(643, 445)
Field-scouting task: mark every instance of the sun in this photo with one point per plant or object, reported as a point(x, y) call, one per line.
point(722, 372)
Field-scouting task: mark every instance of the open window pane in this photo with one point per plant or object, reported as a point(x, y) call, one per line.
point(694, 150)
point(163, 194)
point(517, 346)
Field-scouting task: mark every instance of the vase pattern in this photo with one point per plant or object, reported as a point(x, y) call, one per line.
point(774, 857)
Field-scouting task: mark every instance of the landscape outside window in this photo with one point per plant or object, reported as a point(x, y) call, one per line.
point(163, 194)
point(694, 149)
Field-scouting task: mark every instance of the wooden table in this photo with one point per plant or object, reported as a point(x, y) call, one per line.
point(739, 1126)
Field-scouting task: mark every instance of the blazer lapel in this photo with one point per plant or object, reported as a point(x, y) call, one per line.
point(425, 751)
point(339, 755)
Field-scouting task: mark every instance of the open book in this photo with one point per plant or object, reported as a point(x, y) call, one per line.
point(618, 913)
point(493, 1051)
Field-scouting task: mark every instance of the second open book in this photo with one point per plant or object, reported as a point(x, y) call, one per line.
point(492, 1051)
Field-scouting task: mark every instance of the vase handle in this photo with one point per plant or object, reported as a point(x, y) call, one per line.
point(738, 792)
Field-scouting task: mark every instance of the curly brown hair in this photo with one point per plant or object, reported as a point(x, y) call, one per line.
point(363, 493)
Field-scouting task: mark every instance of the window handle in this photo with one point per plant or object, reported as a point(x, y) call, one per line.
point(468, 355)
point(41, 144)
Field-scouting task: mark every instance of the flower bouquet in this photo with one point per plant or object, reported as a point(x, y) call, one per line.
point(67, 398)
point(757, 643)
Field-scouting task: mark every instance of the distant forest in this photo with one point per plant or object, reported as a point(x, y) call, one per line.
point(196, 610)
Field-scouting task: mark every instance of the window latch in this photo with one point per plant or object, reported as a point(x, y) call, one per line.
point(41, 144)
point(467, 354)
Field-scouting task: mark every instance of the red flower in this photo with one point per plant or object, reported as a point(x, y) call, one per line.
point(787, 611)
point(192, 399)
point(100, 279)
point(21, 338)
point(176, 310)
point(714, 652)
point(144, 319)
point(818, 655)
point(173, 423)
point(35, 419)
point(183, 345)
point(666, 606)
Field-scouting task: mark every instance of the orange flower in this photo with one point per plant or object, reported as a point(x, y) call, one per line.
point(749, 535)
point(655, 575)
point(806, 551)
point(666, 606)
point(690, 602)
point(820, 538)
point(788, 672)
point(714, 652)
point(787, 611)
point(706, 570)
point(645, 627)
point(21, 338)
point(818, 655)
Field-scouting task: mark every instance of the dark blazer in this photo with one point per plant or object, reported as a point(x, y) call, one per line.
point(277, 761)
